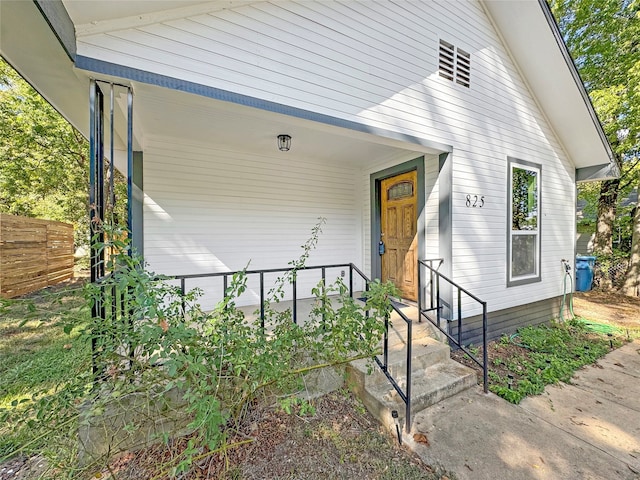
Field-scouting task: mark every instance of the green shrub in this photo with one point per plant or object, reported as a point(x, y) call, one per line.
point(157, 341)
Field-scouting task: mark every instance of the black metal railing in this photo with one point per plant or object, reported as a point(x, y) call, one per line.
point(383, 363)
point(261, 274)
point(433, 289)
point(112, 306)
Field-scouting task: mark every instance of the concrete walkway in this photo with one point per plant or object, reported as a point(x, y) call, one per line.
point(587, 430)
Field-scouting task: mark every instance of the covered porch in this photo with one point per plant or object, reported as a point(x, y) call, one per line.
point(210, 191)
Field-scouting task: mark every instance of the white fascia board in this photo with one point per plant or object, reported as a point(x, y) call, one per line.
point(597, 173)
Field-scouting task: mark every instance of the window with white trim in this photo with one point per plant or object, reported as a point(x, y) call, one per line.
point(523, 243)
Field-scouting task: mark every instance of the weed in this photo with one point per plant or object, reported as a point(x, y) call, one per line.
point(297, 405)
point(360, 408)
point(552, 354)
point(221, 364)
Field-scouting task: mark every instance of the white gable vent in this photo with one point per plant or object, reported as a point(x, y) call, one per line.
point(454, 64)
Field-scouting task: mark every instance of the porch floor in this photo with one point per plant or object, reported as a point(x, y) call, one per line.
point(397, 326)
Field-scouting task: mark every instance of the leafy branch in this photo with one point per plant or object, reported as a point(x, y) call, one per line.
point(157, 352)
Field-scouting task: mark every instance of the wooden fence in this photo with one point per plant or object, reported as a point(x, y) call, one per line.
point(34, 254)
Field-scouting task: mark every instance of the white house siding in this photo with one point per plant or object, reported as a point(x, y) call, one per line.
point(375, 63)
point(479, 235)
point(209, 210)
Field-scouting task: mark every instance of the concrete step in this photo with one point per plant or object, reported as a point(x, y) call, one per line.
point(426, 352)
point(398, 333)
point(398, 327)
point(429, 386)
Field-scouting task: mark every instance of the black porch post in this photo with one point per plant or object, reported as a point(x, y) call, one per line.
point(130, 168)
point(96, 180)
point(96, 202)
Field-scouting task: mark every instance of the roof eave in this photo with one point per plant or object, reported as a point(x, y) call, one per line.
point(555, 30)
point(552, 78)
point(55, 14)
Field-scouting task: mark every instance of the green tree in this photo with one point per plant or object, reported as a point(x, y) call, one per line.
point(603, 37)
point(43, 159)
point(631, 284)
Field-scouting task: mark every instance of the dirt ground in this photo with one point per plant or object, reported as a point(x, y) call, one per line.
point(607, 307)
point(340, 441)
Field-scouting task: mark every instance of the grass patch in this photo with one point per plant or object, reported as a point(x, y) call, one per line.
point(526, 362)
point(37, 359)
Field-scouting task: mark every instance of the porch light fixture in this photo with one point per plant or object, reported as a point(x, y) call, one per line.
point(284, 143)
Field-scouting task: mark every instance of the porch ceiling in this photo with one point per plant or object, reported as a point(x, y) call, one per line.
point(97, 14)
point(171, 113)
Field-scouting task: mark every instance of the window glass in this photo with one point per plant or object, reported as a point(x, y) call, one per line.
point(523, 255)
point(524, 201)
point(524, 230)
point(400, 190)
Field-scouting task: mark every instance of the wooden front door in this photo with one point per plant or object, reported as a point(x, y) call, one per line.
point(398, 225)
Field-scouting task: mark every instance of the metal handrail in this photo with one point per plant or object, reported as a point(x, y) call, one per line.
point(384, 364)
point(436, 305)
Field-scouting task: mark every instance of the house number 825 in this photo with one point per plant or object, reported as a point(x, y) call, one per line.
point(474, 201)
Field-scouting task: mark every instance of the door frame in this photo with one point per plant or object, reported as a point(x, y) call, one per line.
point(376, 202)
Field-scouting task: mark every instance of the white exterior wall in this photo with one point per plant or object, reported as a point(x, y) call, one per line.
point(209, 210)
point(376, 64)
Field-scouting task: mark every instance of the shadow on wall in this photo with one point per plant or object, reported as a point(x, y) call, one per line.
point(584, 243)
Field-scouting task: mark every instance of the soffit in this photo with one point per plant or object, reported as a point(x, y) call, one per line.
point(530, 39)
point(42, 62)
point(96, 16)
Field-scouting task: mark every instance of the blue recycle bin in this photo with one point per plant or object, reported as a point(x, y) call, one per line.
point(584, 273)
